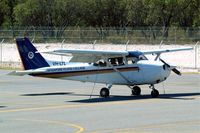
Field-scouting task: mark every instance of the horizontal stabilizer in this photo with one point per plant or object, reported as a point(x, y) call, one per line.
point(22, 73)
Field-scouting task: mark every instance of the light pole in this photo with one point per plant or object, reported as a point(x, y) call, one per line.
point(62, 48)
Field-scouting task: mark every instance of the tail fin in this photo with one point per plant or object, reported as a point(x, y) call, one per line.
point(30, 59)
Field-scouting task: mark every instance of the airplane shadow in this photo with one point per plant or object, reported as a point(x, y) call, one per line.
point(48, 94)
point(3, 106)
point(114, 98)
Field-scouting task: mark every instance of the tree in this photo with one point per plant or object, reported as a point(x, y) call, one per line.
point(196, 22)
point(36, 13)
point(2, 12)
point(137, 13)
point(66, 13)
point(105, 15)
point(186, 12)
point(162, 12)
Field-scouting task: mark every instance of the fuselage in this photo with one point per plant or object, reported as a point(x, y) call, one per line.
point(141, 72)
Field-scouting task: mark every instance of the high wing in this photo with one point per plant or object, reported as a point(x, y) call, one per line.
point(95, 55)
point(86, 55)
point(160, 51)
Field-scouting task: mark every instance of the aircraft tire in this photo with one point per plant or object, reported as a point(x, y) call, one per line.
point(154, 93)
point(104, 92)
point(136, 91)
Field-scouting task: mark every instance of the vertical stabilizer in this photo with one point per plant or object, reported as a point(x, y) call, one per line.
point(30, 59)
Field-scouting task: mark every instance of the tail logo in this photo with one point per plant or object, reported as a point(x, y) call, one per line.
point(30, 55)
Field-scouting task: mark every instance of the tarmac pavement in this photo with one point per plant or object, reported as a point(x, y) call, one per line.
point(38, 105)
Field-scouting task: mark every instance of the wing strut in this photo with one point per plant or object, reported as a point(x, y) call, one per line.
point(116, 70)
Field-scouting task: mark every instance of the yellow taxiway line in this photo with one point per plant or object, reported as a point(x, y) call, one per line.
point(79, 128)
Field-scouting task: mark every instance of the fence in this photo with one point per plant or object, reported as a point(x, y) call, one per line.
point(142, 35)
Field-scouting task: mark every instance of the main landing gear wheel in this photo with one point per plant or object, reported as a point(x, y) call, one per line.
point(136, 91)
point(105, 92)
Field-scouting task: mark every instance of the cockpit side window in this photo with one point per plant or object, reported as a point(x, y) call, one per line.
point(132, 60)
point(118, 61)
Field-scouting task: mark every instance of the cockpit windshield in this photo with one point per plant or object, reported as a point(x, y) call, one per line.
point(135, 56)
point(138, 55)
point(142, 57)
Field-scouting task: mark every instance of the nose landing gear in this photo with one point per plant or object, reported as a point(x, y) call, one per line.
point(154, 92)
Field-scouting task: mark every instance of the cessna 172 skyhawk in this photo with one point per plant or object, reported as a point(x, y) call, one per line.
point(130, 68)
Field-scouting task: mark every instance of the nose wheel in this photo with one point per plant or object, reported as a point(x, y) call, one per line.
point(154, 92)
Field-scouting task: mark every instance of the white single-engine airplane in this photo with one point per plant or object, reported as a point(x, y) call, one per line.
point(129, 68)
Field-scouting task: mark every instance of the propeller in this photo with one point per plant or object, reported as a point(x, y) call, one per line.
point(172, 68)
